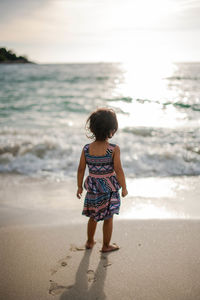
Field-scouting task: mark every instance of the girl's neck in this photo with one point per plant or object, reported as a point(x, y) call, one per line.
point(98, 148)
point(101, 142)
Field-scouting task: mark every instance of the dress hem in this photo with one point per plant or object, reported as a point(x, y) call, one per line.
point(103, 218)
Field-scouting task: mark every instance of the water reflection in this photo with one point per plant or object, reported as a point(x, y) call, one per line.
point(149, 211)
point(147, 95)
point(147, 80)
point(152, 187)
point(154, 198)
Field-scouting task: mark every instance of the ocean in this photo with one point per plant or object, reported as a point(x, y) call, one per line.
point(44, 107)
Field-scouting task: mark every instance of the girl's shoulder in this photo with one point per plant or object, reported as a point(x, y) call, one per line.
point(86, 147)
point(112, 146)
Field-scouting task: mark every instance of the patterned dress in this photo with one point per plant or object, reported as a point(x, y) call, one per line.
point(102, 199)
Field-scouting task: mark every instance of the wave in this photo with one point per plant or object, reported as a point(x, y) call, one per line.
point(194, 107)
point(40, 159)
point(54, 158)
point(74, 107)
point(63, 79)
point(140, 131)
point(153, 165)
point(165, 163)
point(183, 78)
point(38, 150)
point(124, 99)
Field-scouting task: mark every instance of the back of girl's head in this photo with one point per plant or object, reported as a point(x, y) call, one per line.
point(102, 123)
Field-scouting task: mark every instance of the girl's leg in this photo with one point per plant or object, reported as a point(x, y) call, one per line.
point(91, 228)
point(107, 233)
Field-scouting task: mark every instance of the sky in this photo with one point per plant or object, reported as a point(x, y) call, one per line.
point(56, 31)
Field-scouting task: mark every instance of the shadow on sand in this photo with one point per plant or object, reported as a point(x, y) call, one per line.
point(89, 283)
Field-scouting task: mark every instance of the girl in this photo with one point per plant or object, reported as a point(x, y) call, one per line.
point(105, 178)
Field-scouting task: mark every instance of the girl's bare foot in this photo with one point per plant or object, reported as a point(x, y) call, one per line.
point(109, 248)
point(89, 245)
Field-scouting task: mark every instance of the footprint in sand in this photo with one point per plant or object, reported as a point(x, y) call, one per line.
point(75, 248)
point(61, 263)
point(64, 261)
point(91, 276)
point(56, 289)
point(107, 263)
point(53, 271)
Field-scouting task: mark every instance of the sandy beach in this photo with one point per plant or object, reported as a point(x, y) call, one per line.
point(43, 256)
point(157, 260)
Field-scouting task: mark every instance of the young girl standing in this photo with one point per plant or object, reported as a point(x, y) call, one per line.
point(105, 178)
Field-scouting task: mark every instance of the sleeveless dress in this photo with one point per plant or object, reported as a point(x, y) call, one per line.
point(102, 199)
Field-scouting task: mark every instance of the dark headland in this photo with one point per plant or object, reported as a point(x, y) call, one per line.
point(8, 56)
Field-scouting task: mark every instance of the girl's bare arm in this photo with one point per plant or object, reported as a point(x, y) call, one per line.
point(80, 174)
point(119, 171)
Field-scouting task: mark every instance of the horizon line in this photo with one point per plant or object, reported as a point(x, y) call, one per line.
point(106, 62)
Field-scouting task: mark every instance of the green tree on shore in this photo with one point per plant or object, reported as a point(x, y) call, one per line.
point(8, 56)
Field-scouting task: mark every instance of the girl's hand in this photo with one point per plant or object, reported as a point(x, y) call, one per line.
point(79, 192)
point(124, 192)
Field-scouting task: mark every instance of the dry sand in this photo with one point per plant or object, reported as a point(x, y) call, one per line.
point(158, 259)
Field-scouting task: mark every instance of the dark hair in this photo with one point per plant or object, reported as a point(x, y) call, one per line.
point(102, 123)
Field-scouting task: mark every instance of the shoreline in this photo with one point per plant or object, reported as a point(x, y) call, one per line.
point(34, 201)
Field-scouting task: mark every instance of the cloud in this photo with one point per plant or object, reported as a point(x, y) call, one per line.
point(84, 29)
point(12, 9)
point(187, 15)
point(110, 15)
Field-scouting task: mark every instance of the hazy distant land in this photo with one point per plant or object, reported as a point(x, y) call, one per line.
point(8, 56)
